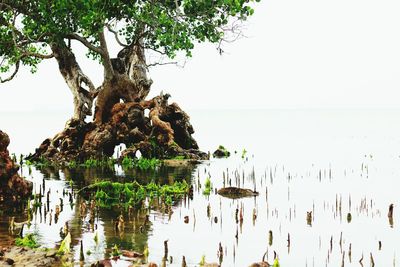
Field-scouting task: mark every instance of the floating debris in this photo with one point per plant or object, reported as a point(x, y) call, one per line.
point(235, 192)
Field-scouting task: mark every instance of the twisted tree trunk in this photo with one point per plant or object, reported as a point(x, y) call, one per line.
point(165, 133)
point(128, 83)
point(75, 78)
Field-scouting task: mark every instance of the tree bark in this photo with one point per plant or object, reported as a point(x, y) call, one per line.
point(75, 78)
point(129, 82)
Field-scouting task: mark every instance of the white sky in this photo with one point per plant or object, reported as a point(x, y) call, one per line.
point(298, 54)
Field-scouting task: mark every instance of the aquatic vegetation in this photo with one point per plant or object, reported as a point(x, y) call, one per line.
point(115, 251)
point(127, 162)
point(180, 157)
point(244, 151)
point(73, 164)
point(28, 241)
point(221, 152)
point(96, 238)
point(145, 164)
point(108, 194)
point(202, 261)
point(141, 163)
point(98, 163)
point(41, 162)
point(65, 246)
point(207, 187)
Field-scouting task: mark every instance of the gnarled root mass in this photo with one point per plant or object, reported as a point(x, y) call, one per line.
point(165, 133)
point(12, 186)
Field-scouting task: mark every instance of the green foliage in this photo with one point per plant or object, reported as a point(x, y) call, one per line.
point(207, 187)
point(98, 163)
point(145, 164)
point(181, 157)
point(276, 263)
point(96, 238)
point(28, 29)
point(127, 162)
point(72, 164)
point(28, 241)
point(244, 151)
point(221, 152)
point(40, 163)
point(202, 261)
point(109, 194)
point(115, 251)
point(142, 163)
point(65, 246)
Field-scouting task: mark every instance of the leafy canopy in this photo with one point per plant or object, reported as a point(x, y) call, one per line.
point(28, 28)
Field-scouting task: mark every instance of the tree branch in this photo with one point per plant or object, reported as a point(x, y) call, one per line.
point(116, 36)
point(12, 75)
point(162, 63)
point(37, 55)
point(108, 68)
point(85, 42)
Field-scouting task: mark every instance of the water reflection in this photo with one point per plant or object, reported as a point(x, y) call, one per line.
point(325, 214)
point(58, 206)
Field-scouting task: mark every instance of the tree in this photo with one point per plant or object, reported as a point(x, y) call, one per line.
point(35, 30)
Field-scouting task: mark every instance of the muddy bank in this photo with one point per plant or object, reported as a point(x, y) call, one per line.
point(12, 186)
point(20, 256)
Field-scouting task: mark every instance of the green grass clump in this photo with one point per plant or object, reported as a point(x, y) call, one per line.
point(98, 163)
point(127, 163)
point(207, 187)
point(109, 194)
point(145, 164)
point(28, 241)
point(73, 164)
point(141, 163)
point(115, 251)
point(40, 163)
point(244, 151)
point(181, 157)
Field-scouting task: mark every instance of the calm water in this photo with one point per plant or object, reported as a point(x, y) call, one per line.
point(330, 162)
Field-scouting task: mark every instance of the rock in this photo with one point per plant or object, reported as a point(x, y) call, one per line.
point(235, 192)
point(260, 264)
point(221, 152)
point(4, 141)
point(131, 254)
point(102, 263)
point(51, 253)
point(9, 261)
point(179, 162)
point(17, 256)
point(12, 186)
point(186, 219)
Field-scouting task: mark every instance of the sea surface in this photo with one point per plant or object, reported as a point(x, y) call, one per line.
point(340, 166)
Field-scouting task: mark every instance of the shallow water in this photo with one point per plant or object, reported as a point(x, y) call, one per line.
point(328, 162)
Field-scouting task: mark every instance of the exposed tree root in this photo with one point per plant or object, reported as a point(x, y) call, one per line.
point(165, 133)
point(12, 186)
